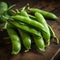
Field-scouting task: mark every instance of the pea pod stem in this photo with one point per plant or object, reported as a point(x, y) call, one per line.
point(23, 12)
point(32, 17)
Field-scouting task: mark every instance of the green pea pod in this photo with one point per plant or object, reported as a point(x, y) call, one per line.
point(29, 21)
point(16, 44)
point(39, 43)
point(25, 36)
point(3, 7)
point(40, 19)
point(53, 34)
point(24, 27)
point(25, 39)
point(44, 13)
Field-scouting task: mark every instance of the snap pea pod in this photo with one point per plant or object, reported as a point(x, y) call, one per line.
point(44, 13)
point(39, 43)
point(26, 39)
point(3, 7)
point(24, 27)
point(16, 44)
point(38, 40)
point(53, 34)
point(25, 36)
point(40, 19)
point(29, 21)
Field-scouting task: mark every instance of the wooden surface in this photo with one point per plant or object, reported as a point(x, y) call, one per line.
point(48, 5)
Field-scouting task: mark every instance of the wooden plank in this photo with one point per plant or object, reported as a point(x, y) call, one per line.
point(48, 5)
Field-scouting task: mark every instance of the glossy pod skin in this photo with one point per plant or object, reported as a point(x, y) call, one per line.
point(29, 21)
point(16, 44)
point(38, 40)
point(40, 19)
point(24, 35)
point(3, 7)
point(25, 27)
point(39, 43)
point(53, 34)
point(44, 13)
point(26, 39)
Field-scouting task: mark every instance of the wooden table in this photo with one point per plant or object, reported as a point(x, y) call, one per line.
point(48, 5)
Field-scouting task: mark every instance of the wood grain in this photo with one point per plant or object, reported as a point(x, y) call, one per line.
point(48, 5)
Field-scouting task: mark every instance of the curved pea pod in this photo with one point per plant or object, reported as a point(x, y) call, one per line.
point(29, 21)
point(40, 19)
point(16, 44)
point(53, 34)
point(39, 43)
point(26, 39)
point(44, 13)
point(3, 7)
point(24, 27)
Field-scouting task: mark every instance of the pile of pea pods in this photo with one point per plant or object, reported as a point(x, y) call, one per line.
point(27, 26)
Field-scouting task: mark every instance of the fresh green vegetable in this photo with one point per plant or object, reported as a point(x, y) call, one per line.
point(25, 27)
point(3, 7)
point(25, 39)
point(32, 17)
point(44, 13)
point(16, 44)
point(39, 43)
point(30, 24)
point(24, 35)
point(41, 20)
point(29, 21)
